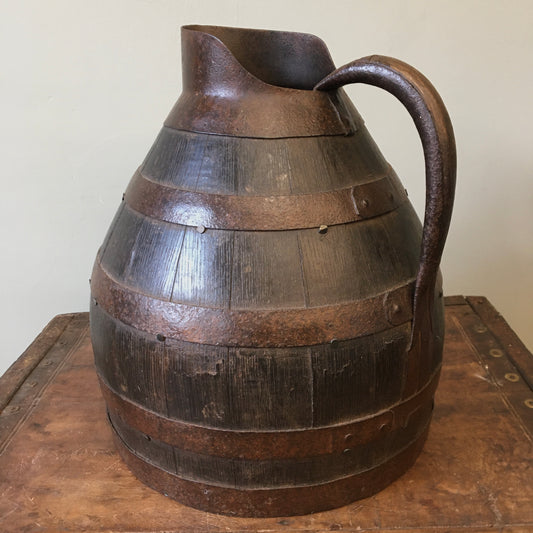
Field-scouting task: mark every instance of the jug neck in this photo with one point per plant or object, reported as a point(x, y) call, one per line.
point(256, 83)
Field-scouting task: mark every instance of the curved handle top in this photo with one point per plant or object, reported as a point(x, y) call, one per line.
point(426, 108)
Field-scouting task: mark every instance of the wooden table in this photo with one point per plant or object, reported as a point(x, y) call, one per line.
point(60, 472)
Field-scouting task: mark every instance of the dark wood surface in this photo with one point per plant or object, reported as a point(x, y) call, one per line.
point(59, 470)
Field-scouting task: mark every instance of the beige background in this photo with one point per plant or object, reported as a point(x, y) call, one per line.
point(85, 86)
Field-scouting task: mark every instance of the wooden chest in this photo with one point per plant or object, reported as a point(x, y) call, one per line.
point(59, 470)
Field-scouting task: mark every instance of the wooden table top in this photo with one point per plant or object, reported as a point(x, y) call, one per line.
point(60, 472)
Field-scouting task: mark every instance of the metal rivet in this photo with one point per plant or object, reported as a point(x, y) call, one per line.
point(396, 309)
point(347, 450)
point(334, 342)
point(348, 437)
point(160, 337)
point(480, 328)
point(365, 202)
point(495, 352)
point(512, 377)
point(200, 229)
point(323, 229)
point(529, 403)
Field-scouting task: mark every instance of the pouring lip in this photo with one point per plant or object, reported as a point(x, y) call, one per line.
point(210, 28)
point(310, 44)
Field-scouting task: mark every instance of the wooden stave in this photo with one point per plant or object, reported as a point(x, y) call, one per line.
point(244, 166)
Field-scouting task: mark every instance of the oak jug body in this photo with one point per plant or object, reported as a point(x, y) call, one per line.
point(266, 312)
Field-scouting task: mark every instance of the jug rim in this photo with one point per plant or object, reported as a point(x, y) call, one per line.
point(290, 49)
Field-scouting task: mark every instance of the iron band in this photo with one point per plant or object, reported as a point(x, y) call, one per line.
point(256, 445)
point(222, 211)
point(283, 501)
point(251, 328)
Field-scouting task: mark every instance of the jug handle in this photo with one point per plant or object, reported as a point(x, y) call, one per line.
point(426, 108)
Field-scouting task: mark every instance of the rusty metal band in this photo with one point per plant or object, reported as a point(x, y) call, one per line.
point(283, 501)
point(251, 328)
point(231, 212)
point(270, 114)
point(257, 445)
point(266, 472)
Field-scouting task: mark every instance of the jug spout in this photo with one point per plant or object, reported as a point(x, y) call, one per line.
point(255, 83)
point(283, 59)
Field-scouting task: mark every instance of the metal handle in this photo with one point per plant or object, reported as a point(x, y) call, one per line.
point(426, 108)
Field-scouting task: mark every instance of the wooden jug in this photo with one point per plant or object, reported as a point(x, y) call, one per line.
point(266, 312)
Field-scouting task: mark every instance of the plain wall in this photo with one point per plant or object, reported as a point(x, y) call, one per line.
point(86, 85)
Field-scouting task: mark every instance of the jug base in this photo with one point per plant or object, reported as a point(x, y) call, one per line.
point(278, 502)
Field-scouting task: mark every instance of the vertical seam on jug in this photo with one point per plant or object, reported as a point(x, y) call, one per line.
point(204, 149)
point(232, 263)
point(302, 272)
point(311, 386)
point(178, 263)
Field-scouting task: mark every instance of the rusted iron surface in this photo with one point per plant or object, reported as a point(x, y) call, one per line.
point(263, 213)
point(226, 98)
point(286, 327)
point(271, 444)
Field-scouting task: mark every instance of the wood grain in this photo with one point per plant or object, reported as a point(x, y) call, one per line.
point(262, 269)
point(245, 166)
